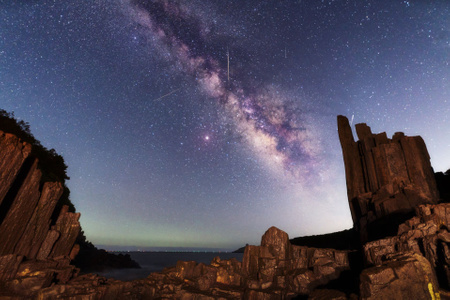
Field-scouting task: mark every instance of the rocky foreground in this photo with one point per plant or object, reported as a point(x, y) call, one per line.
point(274, 270)
point(403, 247)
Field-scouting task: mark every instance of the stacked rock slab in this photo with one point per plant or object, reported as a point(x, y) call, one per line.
point(384, 176)
point(33, 252)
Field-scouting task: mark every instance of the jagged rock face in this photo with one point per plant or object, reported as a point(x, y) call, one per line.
point(384, 176)
point(426, 235)
point(33, 254)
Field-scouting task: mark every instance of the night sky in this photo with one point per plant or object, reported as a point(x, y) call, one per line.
point(203, 123)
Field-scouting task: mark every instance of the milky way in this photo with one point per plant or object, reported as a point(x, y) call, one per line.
point(263, 116)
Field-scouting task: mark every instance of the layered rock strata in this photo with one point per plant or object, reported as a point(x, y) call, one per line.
point(385, 177)
point(35, 251)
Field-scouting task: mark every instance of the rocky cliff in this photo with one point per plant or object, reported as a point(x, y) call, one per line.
point(35, 250)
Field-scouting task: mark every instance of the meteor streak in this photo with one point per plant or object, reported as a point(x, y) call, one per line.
point(228, 63)
point(167, 94)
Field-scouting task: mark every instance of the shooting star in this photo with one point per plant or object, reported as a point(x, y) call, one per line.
point(351, 122)
point(228, 62)
point(167, 94)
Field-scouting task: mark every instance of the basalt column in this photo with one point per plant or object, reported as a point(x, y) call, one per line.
point(385, 177)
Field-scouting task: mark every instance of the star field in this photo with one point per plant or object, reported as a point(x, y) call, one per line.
point(193, 124)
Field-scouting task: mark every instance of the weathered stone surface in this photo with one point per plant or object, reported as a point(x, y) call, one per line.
point(9, 264)
point(75, 250)
point(20, 211)
point(426, 235)
point(13, 153)
point(250, 261)
point(406, 276)
point(69, 228)
point(39, 224)
point(229, 271)
point(28, 286)
point(94, 287)
point(352, 163)
point(384, 176)
point(418, 166)
point(277, 242)
point(47, 245)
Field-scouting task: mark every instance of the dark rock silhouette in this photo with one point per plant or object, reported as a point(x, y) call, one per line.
point(341, 240)
point(90, 259)
point(443, 185)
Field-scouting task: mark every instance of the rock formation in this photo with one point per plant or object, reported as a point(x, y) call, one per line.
point(425, 235)
point(35, 251)
point(274, 270)
point(385, 177)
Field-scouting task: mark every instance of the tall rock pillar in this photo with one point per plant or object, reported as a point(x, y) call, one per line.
point(385, 177)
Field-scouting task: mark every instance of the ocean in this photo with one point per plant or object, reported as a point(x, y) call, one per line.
point(156, 261)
